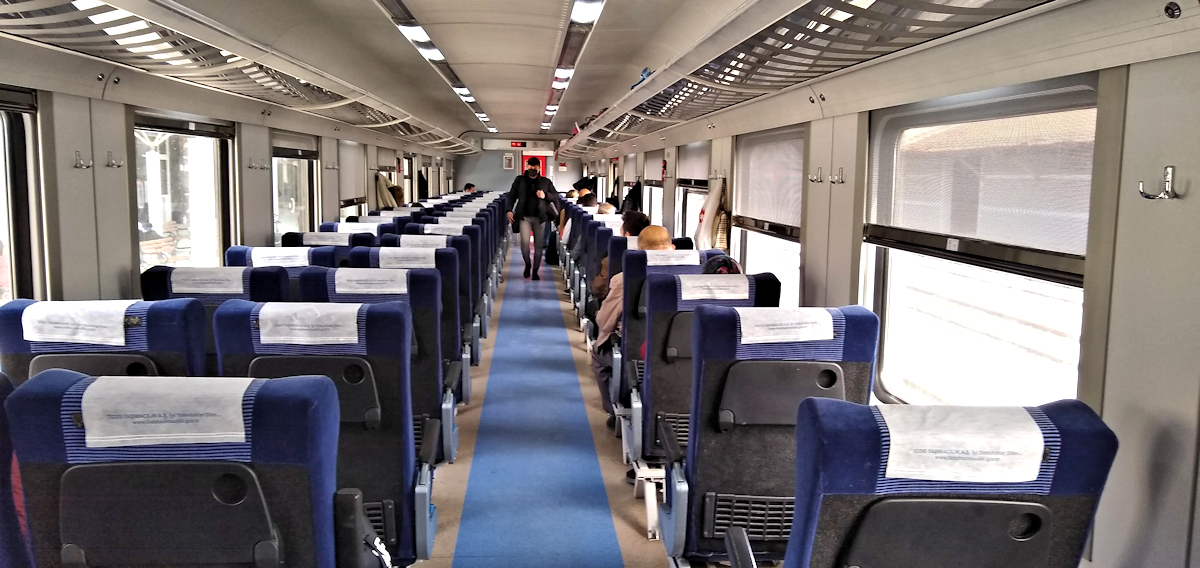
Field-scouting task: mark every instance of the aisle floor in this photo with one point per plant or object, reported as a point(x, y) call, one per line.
point(539, 479)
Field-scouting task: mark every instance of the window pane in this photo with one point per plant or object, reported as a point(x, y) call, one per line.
point(780, 257)
point(6, 268)
point(1023, 180)
point(655, 207)
point(291, 185)
point(178, 190)
point(960, 334)
point(695, 204)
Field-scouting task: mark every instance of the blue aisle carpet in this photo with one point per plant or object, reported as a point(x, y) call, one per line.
point(535, 497)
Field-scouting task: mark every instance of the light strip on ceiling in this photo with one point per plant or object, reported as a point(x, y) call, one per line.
point(584, 15)
point(419, 38)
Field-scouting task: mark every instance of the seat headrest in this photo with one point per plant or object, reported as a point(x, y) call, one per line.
point(424, 241)
point(231, 280)
point(287, 257)
point(449, 229)
point(404, 257)
point(332, 239)
point(673, 258)
point(368, 281)
point(372, 228)
point(785, 325)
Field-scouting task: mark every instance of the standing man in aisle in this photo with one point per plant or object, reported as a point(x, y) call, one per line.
point(531, 202)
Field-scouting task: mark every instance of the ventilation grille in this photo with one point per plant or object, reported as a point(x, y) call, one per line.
point(382, 516)
point(764, 518)
point(680, 423)
point(820, 37)
point(100, 30)
point(418, 430)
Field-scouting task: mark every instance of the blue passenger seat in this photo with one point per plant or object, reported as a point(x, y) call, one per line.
point(252, 483)
point(102, 337)
point(751, 368)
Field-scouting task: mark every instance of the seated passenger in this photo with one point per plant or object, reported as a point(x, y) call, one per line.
point(586, 199)
point(572, 194)
point(632, 224)
point(608, 320)
point(723, 264)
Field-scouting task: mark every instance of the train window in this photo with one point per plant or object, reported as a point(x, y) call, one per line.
point(689, 202)
point(291, 184)
point(965, 335)
point(978, 213)
point(178, 198)
point(8, 165)
point(653, 204)
point(760, 252)
point(769, 175)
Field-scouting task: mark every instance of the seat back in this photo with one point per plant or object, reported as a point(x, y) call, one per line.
point(111, 337)
point(466, 271)
point(666, 385)
point(364, 348)
point(751, 367)
point(473, 232)
point(375, 228)
point(639, 263)
point(293, 259)
point(328, 238)
point(212, 286)
point(14, 551)
point(1022, 490)
point(251, 483)
point(445, 262)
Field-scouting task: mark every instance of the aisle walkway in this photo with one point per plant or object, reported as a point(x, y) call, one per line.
point(535, 496)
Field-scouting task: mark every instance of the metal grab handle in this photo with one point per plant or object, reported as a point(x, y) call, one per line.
point(113, 163)
point(817, 178)
point(79, 162)
point(1167, 184)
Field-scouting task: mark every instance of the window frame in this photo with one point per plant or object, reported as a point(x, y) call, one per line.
point(683, 187)
point(311, 158)
point(225, 135)
point(17, 120)
point(1074, 92)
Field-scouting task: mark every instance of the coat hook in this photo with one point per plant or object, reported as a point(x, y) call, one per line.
point(113, 163)
point(839, 178)
point(79, 162)
point(1167, 185)
point(818, 178)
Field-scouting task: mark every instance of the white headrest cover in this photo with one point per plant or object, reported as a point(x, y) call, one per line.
point(99, 322)
point(784, 325)
point(219, 280)
point(370, 281)
point(279, 256)
point(144, 411)
point(966, 444)
point(297, 323)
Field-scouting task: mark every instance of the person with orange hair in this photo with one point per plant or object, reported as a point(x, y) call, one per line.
point(608, 319)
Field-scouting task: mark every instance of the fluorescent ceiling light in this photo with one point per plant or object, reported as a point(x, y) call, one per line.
point(560, 84)
point(492, 130)
point(552, 107)
point(431, 53)
point(463, 91)
point(586, 12)
point(551, 112)
point(561, 73)
point(468, 99)
point(545, 125)
point(481, 114)
point(414, 33)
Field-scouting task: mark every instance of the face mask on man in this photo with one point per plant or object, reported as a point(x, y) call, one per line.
point(531, 172)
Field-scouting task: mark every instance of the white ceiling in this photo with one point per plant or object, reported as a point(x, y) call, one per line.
point(504, 51)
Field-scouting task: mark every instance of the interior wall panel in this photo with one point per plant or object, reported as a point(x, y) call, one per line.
point(330, 178)
point(118, 259)
point(258, 213)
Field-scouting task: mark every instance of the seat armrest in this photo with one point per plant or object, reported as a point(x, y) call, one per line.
point(666, 433)
point(430, 441)
point(451, 375)
point(737, 545)
point(357, 543)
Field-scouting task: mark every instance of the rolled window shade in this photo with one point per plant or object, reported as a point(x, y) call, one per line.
point(1012, 167)
point(769, 175)
point(629, 166)
point(386, 157)
point(293, 141)
point(654, 165)
point(694, 160)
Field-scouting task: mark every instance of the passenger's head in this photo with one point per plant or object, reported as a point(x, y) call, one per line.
point(533, 167)
point(633, 222)
point(607, 209)
point(585, 191)
point(655, 237)
point(469, 187)
point(587, 200)
point(723, 264)
point(572, 194)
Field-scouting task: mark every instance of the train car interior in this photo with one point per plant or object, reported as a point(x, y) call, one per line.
point(599, 283)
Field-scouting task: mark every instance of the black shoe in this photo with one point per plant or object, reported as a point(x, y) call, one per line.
point(528, 269)
point(630, 477)
point(611, 423)
point(536, 276)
